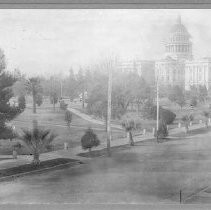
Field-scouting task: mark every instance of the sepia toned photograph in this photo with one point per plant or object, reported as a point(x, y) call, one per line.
point(105, 106)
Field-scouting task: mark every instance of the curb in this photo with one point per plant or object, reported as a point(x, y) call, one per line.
point(60, 166)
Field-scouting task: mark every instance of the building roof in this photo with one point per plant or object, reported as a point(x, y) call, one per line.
point(179, 28)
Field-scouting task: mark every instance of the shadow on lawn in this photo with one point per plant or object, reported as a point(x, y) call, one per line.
point(6, 158)
point(193, 132)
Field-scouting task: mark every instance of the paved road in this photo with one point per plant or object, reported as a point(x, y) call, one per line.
point(146, 173)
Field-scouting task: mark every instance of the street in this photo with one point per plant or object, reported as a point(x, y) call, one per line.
point(146, 173)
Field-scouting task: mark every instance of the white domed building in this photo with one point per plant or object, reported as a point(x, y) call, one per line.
point(178, 66)
point(178, 49)
point(178, 44)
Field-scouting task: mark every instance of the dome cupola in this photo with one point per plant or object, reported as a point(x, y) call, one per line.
point(178, 44)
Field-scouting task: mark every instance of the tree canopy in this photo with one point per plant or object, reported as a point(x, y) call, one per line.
point(7, 112)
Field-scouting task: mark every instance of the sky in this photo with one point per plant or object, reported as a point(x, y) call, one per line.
point(51, 41)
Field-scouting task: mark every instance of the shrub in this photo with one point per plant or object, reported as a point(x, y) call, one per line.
point(22, 102)
point(89, 140)
point(162, 130)
point(7, 133)
point(68, 117)
point(167, 116)
point(164, 114)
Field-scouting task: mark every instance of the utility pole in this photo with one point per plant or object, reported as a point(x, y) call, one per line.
point(53, 93)
point(157, 127)
point(109, 65)
point(61, 88)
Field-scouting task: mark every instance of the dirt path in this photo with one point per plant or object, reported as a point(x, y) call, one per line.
point(90, 119)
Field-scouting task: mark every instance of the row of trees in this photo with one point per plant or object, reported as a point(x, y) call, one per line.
point(24, 86)
point(7, 112)
point(196, 94)
point(129, 89)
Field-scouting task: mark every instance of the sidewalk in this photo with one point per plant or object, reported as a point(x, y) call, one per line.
point(90, 119)
point(73, 152)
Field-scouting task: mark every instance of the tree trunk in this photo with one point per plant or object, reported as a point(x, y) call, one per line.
point(34, 101)
point(130, 138)
point(54, 108)
point(106, 123)
point(36, 160)
point(137, 110)
point(186, 128)
point(83, 99)
point(206, 123)
point(90, 154)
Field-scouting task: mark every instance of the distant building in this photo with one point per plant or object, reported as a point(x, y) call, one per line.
point(178, 49)
point(198, 72)
point(170, 71)
point(179, 67)
point(178, 44)
point(144, 68)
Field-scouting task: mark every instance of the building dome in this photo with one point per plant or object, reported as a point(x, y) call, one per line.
point(178, 44)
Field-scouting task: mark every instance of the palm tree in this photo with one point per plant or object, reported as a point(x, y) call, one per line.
point(33, 86)
point(37, 139)
point(129, 125)
point(68, 118)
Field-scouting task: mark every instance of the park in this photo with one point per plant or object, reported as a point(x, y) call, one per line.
point(148, 172)
point(79, 125)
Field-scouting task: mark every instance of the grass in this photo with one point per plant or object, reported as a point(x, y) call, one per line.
point(30, 167)
point(49, 119)
point(103, 152)
point(55, 121)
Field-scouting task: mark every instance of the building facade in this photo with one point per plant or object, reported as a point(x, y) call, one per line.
point(170, 71)
point(198, 72)
point(178, 44)
point(178, 49)
point(178, 66)
point(144, 68)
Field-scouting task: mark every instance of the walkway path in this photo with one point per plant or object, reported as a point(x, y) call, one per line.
point(90, 119)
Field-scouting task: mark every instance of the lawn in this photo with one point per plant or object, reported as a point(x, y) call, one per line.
point(167, 104)
point(54, 120)
point(49, 119)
